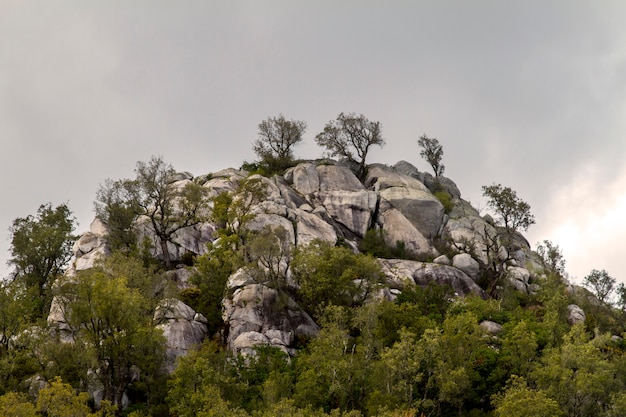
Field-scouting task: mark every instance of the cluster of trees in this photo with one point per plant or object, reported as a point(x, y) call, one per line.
point(423, 354)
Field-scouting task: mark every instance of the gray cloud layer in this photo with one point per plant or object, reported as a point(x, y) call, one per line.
point(527, 94)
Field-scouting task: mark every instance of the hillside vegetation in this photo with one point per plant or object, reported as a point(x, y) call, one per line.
point(303, 288)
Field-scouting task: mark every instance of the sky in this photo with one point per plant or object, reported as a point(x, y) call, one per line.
point(527, 94)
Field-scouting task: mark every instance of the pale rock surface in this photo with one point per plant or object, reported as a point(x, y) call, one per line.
point(338, 178)
point(397, 228)
point(575, 314)
point(182, 327)
point(305, 178)
point(258, 314)
point(400, 273)
point(310, 227)
point(519, 277)
point(442, 260)
point(351, 209)
point(467, 264)
point(380, 177)
point(420, 207)
point(491, 327)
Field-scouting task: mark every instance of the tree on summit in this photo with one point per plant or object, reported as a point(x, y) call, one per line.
point(350, 137)
point(432, 152)
point(513, 211)
point(277, 137)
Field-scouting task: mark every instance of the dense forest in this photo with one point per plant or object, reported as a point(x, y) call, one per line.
point(90, 341)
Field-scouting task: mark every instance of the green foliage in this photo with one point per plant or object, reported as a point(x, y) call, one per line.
point(518, 400)
point(513, 212)
point(333, 275)
point(601, 283)
point(551, 257)
point(112, 322)
point(374, 244)
point(16, 405)
point(277, 136)
point(350, 136)
point(41, 246)
point(432, 152)
point(445, 199)
point(151, 194)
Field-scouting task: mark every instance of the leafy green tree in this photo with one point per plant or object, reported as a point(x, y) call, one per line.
point(113, 323)
point(432, 152)
point(232, 212)
point(514, 213)
point(60, 400)
point(576, 375)
point(332, 372)
point(277, 137)
point(552, 257)
point(41, 247)
point(518, 400)
point(601, 283)
point(350, 136)
point(16, 405)
point(154, 195)
point(272, 249)
point(113, 206)
point(14, 310)
point(333, 275)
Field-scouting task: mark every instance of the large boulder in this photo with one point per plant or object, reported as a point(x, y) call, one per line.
point(310, 227)
point(575, 314)
point(338, 178)
point(519, 278)
point(259, 315)
point(380, 177)
point(353, 210)
point(183, 328)
point(420, 207)
point(305, 178)
point(91, 247)
point(400, 273)
point(467, 264)
point(397, 228)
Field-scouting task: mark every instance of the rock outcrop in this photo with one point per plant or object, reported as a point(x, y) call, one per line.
point(259, 315)
point(183, 328)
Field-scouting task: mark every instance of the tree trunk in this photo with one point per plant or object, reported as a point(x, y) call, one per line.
point(166, 254)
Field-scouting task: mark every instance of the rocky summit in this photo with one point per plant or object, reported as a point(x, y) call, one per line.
point(323, 201)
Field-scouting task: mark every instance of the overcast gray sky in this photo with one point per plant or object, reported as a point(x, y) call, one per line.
point(529, 94)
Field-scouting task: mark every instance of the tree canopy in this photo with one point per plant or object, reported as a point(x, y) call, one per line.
point(276, 138)
point(350, 136)
point(432, 152)
point(513, 212)
point(41, 247)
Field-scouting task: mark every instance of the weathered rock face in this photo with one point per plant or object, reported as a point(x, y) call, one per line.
point(260, 315)
point(467, 264)
point(183, 328)
point(399, 273)
point(397, 228)
point(519, 278)
point(90, 247)
point(575, 314)
point(491, 327)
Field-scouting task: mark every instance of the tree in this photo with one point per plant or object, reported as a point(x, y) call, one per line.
point(601, 283)
point(514, 212)
point(551, 257)
point(432, 152)
point(113, 323)
point(41, 246)
point(333, 275)
point(277, 136)
point(518, 400)
point(153, 194)
point(350, 137)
